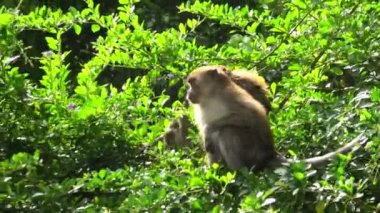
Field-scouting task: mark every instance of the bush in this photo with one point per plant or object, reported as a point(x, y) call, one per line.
point(86, 89)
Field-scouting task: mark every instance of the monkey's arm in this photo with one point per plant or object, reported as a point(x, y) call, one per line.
point(234, 119)
point(210, 144)
point(244, 147)
point(223, 138)
point(232, 144)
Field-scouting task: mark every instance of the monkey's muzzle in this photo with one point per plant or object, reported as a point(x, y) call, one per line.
point(193, 98)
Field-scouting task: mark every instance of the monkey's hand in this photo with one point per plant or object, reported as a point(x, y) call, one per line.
point(208, 143)
point(212, 131)
point(212, 149)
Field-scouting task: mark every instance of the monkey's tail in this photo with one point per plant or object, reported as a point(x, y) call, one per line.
point(324, 159)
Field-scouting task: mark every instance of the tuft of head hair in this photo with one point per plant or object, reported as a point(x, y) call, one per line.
point(207, 72)
point(209, 77)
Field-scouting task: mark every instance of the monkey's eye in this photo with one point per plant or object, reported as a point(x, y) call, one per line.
point(191, 81)
point(174, 125)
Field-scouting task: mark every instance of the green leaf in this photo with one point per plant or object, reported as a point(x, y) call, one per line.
point(196, 181)
point(273, 87)
point(271, 40)
point(124, 2)
point(299, 3)
point(296, 67)
point(196, 204)
point(102, 173)
point(189, 23)
point(375, 95)
point(19, 157)
point(36, 155)
point(291, 152)
point(299, 176)
point(215, 166)
point(90, 3)
point(5, 19)
point(337, 71)
point(252, 28)
point(95, 28)
point(325, 26)
point(365, 115)
point(77, 29)
point(216, 209)
point(320, 207)
point(81, 90)
point(52, 43)
point(182, 28)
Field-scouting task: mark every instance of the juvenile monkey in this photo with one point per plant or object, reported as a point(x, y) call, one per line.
point(255, 85)
point(235, 125)
point(176, 134)
point(252, 83)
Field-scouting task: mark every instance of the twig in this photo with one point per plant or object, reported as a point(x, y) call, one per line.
point(285, 38)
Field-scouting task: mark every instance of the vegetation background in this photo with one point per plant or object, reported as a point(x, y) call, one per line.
point(87, 86)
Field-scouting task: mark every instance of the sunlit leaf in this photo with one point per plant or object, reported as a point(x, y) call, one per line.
point(299, 176)
point(77, 29)
point(52, 43)
point(95, 28)
point(182, 28)
point(5, 19)
point(102, 173)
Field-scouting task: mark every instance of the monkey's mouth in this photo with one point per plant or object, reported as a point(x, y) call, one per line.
point(192, 98)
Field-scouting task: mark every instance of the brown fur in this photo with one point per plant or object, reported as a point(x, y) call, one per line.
point(234, 126)
point(254, 84)
point(176, 134)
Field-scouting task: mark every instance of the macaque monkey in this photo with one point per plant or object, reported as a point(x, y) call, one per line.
point(254, 84)
point(234, 126)
point(176, 134)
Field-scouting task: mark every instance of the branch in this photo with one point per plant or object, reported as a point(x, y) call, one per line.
point(285, 38)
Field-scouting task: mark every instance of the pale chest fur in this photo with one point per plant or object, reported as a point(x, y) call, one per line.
point(207, 113)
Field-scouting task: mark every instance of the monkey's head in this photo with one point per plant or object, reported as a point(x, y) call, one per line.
point(172, 133)
point(204, 82)
point(254, 84)
point(177, 132)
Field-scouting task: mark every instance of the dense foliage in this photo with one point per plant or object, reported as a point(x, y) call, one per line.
point(86, 88)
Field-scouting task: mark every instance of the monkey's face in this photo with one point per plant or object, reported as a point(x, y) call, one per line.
point(203, 82)
point(193, 91)
point(172, 133)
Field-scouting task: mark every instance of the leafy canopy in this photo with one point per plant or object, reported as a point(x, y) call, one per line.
point(86, 88)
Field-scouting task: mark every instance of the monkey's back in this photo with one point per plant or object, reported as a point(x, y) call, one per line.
point(254, 84)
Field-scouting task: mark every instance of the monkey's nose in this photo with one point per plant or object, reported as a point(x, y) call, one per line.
point(192, 98)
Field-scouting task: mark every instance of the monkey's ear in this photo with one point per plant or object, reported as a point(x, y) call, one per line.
point(213, 73)
point(174, 124)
